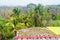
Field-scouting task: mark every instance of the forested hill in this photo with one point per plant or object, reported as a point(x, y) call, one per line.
point(55, 6)
point(6, 10)
point(54, 9)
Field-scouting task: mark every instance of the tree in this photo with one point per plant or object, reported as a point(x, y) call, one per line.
point(31, 6)
point(5, 31)
point(46, 15)
point(14, 18)
point(38, 13)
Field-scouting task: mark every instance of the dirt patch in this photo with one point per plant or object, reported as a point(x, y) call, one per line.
point(35, 31)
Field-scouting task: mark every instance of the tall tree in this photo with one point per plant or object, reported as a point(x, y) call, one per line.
point(15, 18)
point(38, 13)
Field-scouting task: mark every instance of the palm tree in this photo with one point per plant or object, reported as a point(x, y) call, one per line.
point(15, 18)
point(38, 12)
point(31, 5)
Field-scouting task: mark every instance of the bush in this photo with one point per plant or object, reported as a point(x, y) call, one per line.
point(20, 26)
point(54, 23)
point(58, 17)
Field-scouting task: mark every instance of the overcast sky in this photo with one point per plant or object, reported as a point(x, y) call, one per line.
point(25, 2)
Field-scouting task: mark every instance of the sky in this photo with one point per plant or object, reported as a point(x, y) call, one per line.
point(25, 2)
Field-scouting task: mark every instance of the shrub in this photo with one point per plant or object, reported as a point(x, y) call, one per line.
point(58, 17)
point(20, 26)
point(55, 23)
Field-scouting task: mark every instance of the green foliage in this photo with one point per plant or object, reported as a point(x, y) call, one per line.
point(58, 17)
point(31, 5)
point(16, 11)
point(54, 23)
point(27, 20)
point(5, 31)
point(20, 26)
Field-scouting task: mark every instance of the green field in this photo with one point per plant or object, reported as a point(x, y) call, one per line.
point(56, 30)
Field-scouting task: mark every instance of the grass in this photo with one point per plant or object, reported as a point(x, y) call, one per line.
point(56, 30)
